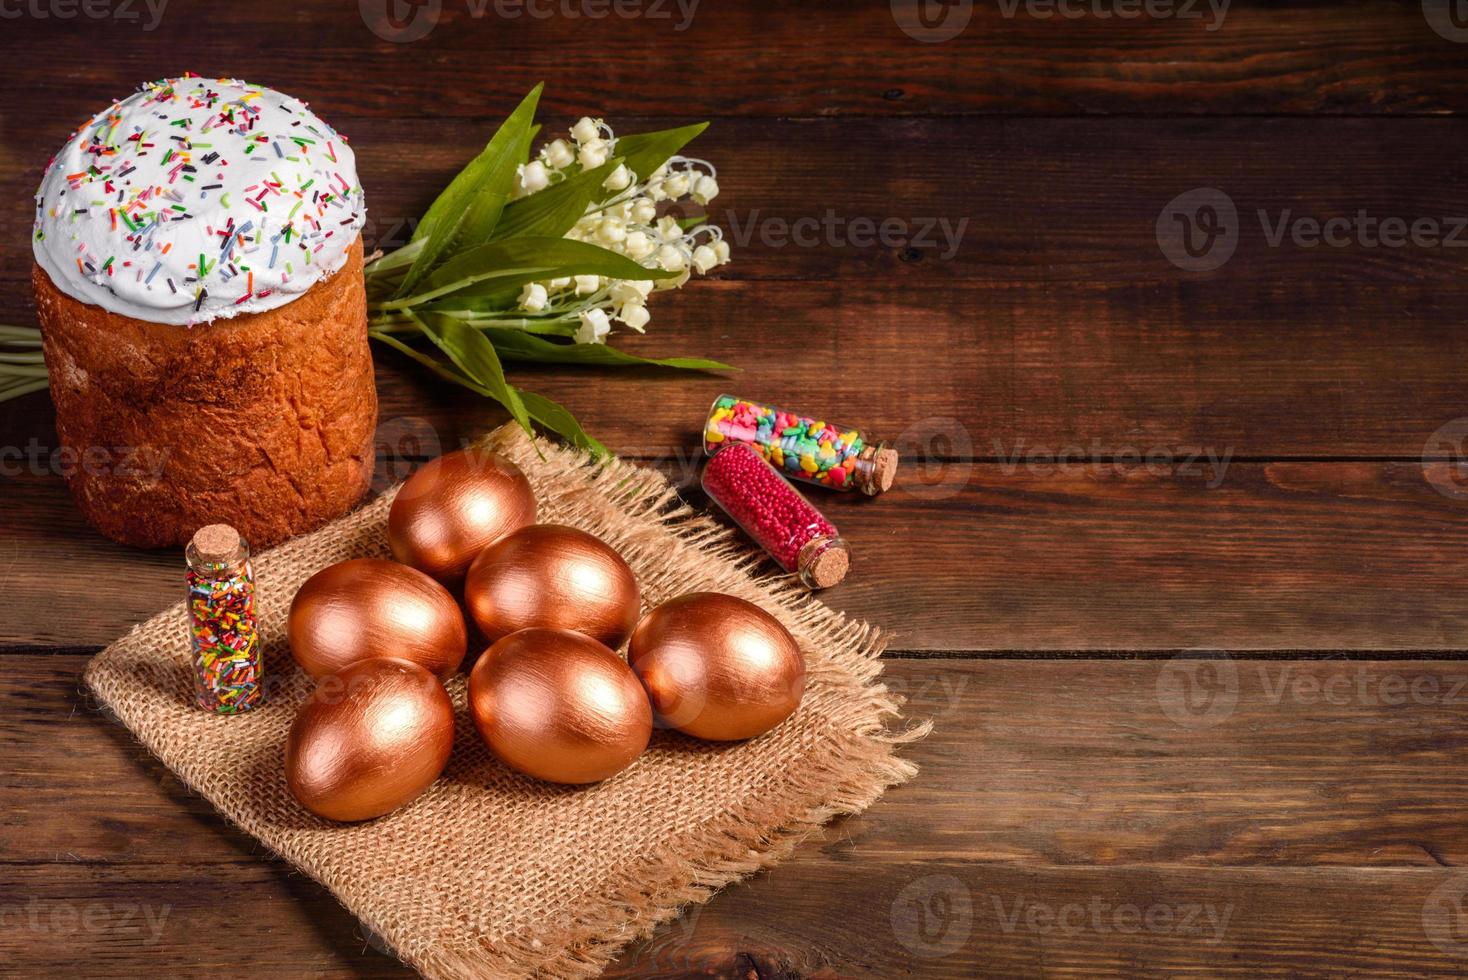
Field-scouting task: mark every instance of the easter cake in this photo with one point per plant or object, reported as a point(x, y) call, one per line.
point(198, 279)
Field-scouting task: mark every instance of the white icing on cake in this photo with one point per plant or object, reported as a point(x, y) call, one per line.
point(240, 177)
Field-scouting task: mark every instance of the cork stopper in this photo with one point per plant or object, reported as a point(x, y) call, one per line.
point(884, 469)
point(216, 544)
point(823, 562)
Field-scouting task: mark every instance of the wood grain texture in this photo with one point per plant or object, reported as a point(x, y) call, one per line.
point(922, 205)
point(1273, 817)
point(993, 557)
point(820, 57)
point(1302, 818)
point(1002, 370)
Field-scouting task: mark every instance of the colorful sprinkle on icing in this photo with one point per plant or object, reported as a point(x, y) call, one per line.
point(160, 168)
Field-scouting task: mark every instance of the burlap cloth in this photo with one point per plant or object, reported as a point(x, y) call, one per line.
point(490, 873)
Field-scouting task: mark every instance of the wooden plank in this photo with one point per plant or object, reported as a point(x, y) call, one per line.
point(927, 203)
point(1308, 818)
point(1083, 556)
point(1293, 764)
point(817, 918)
point(1255, 370)
point(825, 58)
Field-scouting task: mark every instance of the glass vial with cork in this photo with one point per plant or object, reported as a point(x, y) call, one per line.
point(772, 512)
point(222, 622)
point(802, 447)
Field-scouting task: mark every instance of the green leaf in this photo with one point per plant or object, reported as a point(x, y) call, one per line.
point(521, 260)
point(539, 408)
point(559, 420)
point(473, 354)
point(445, 371)
point(467, 211)
point(554, 211)
point(645, 152)
point(516, 345)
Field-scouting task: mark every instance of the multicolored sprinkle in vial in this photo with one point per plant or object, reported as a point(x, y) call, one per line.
point(802, 447)
point(226, 637)
point(776, 515)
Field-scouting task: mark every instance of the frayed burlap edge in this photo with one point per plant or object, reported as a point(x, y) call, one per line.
point(637, 509)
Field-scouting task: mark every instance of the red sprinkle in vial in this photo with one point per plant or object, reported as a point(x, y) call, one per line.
point(774, 513)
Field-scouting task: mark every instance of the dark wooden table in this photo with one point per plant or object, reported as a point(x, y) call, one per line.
point(1177, 562)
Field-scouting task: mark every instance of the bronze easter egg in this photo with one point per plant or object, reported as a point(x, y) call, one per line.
point(559, 706)
point(553, 576)
point(369, 607)
point(370, 739)
point(716, 666)
point(452, 508)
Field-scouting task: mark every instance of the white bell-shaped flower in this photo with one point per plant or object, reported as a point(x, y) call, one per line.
point(644, 211)
point(594, 327)
point(620, 179)
point(560, 283)
point(558, 154)
point(721, 251)
point(585, 129)
point(532, 177)
point(638, 246)
point(630, 291)
point(671, 259)
point(611, 231)
point(704, 259)
point(533, 297)
point(635, 317)
point(586, 285)
point(705, 189)
point(676, 186)
point(593, 153)
point(675, 282)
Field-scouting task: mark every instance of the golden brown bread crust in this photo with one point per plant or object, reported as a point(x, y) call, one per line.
point(264, 421)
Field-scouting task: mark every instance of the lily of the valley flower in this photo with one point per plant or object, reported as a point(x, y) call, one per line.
point(594, 327)
point(630, 223)
point(533, 297)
